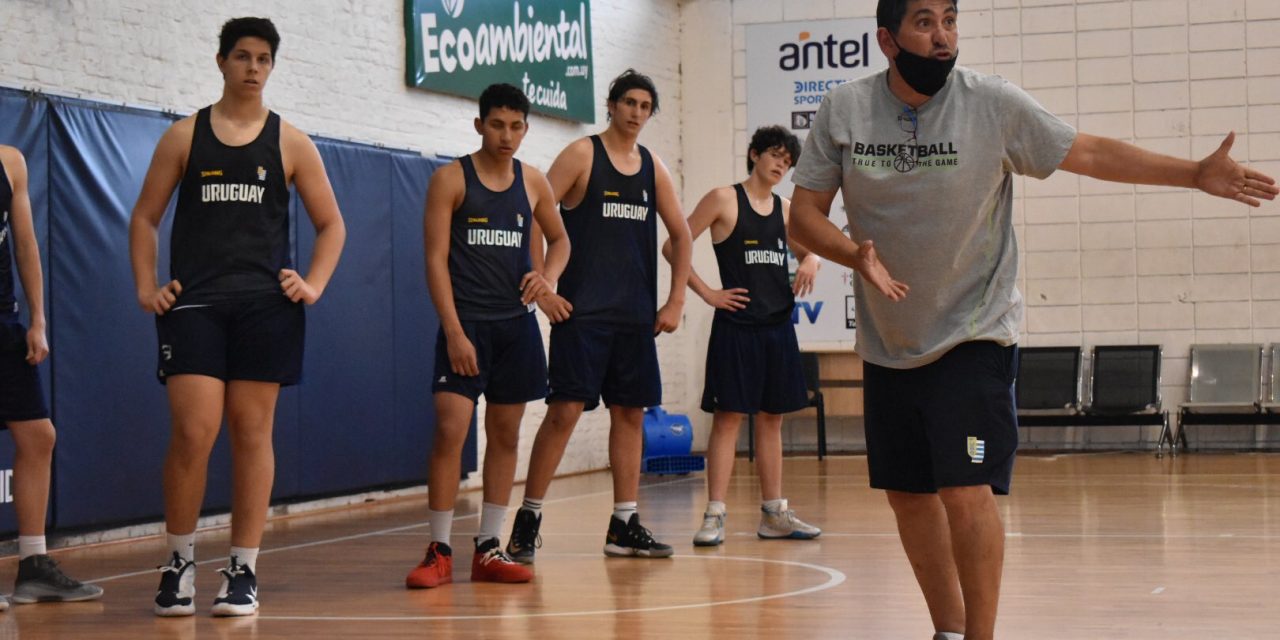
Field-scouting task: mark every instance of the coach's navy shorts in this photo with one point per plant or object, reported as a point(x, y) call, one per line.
point(753, 368)
point(618, 362)
point(513, 367)
point(21, 396)
point(258, 339)
point(950, 423)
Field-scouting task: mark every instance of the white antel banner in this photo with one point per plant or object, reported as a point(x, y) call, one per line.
point(790, 67)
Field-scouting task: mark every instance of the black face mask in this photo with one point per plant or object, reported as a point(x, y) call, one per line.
point(926, 75)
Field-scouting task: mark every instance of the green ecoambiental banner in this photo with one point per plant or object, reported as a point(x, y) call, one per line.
point(541, 46)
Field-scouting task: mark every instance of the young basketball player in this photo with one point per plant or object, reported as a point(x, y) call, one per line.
point(753, 358)
point(477, 230)
point(608, 186)
point(22, 405)
point(230, 319)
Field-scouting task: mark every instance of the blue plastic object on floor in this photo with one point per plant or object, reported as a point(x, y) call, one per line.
point(668, 439)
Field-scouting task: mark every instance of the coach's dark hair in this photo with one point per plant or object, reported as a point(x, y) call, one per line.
point(502, 94)
point(770, 137)
point(632, 79)
point(236, 28)
point(889, 13)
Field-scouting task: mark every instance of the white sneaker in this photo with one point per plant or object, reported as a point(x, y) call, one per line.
point(783, 524)
point(712, 532)
point(177, 592)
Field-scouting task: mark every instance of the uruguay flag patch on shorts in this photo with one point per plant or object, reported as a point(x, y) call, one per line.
point(977, 450)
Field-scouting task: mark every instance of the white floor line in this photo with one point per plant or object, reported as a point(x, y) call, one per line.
point(390, 530)
point(835, 578)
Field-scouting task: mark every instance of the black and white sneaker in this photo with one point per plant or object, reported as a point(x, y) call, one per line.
point(629, 539)
point(177, 593)
point(525, 540)
point(40, 580)
point(239, 594)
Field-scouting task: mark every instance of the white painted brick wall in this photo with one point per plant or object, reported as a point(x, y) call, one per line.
point(340, 73)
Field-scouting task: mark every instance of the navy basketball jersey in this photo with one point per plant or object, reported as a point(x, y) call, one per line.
point(489, 248)
point(8, 303)
point(231, 230)
point(754, 257)
point(612, 271)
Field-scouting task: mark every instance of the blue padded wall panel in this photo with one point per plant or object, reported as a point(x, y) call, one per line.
point(416, 322)
point(24, 124)
point(347, 394)
point(111, 412)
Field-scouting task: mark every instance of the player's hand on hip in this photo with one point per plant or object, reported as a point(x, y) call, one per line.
point(161, 299)
point(728, 299)
point(867, 263)
point(296, 288)
point(37, 345)
point(1222, 176)
point(462, 356)
point(555, 306)
point(668, 317)
point(806, 276)
point(533, 286)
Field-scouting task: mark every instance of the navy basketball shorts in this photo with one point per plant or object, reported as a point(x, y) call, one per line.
point(21, 396)
point(950, 423)
point(753, 368)
point(590, 360)
point(513, 367)
point(258, 339)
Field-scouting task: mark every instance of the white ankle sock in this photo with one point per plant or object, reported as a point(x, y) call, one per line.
point(716, 507)
point(184, 545)
point(948, 635)
point(246, 556)
point(624, 510)
point(441, 525)
point(30, 546)
point(492, 517)
point(532, 505)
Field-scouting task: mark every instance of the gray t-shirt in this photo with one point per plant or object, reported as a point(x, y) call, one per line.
point(939, 208)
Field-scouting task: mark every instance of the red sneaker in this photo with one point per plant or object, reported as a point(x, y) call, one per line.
point(434, 570)
point(490, 564)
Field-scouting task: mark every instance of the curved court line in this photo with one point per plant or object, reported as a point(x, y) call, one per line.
point(835, 578)
point(367, 534)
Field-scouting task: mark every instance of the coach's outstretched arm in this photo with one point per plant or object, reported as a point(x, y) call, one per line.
point(811, 227)
point(1217, 174)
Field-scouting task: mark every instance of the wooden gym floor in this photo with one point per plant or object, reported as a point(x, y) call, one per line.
point(1099, 546)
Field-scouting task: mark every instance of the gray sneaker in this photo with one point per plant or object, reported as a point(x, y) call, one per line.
point(783, 524)
point(40, 580)
point(712, 532)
